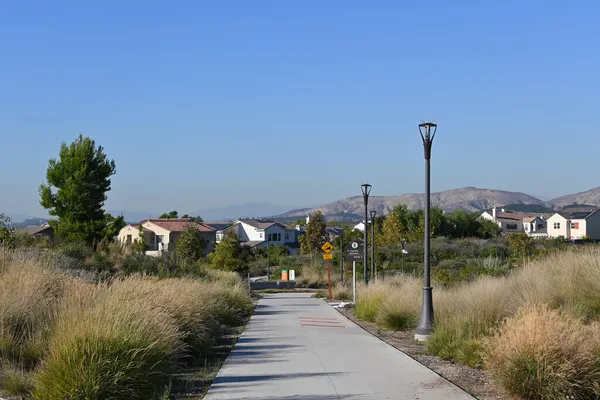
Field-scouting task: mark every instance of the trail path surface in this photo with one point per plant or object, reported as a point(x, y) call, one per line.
point(297, 347)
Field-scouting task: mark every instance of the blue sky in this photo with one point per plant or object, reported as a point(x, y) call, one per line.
point(205, 104)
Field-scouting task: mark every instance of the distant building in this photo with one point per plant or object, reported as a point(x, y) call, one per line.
point(44, 231)
point(575, 225)
point(161, 234)
point(516, 221)
point(256, 233)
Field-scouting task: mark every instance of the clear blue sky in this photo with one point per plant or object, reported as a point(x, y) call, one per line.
point(211, 103)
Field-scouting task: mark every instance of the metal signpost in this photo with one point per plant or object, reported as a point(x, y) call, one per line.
point(353, 254)
point(327, 247)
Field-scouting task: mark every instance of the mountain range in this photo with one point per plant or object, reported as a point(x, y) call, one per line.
point(467, 198)
point(352, 208)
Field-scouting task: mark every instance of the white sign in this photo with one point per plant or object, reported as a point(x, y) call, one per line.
point(355, 245)
point(292, 275)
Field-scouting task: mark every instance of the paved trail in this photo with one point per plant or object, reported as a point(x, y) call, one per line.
point(297, 347)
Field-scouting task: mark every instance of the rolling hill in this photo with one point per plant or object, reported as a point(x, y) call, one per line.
point(589, 197)
point(468, 198)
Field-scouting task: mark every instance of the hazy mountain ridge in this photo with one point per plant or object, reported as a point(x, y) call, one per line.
point(467, 198)
point(591, 197)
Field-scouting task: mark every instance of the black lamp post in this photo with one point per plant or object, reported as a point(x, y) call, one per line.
point(268, 258)
point(366, 190)
point(373, 214)
point(427, 131)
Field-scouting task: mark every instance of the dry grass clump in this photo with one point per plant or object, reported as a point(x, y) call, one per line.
point(542, 353)
point(369, 299)
point(119, 347)
point(63, 338)
point(341, 291)
point(399, 309)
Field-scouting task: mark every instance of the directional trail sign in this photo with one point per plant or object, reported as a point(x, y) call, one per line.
point(355, 252)
point(327, 247)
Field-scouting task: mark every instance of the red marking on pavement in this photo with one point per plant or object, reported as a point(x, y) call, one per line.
point(325, 326)
point(320, 320)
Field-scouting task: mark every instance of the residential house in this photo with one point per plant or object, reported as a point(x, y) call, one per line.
point(161, 234)
point(44, 231)
point(259, 233)
point(516, 221)
point(575, 225)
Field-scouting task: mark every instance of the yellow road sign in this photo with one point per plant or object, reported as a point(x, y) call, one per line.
point(327, 256)
point(327, 247)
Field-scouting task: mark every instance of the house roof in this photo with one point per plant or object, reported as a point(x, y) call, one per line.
point(263, 224)
point(218, 226)
point(35, 229)
point(179, 224)
point(516, 216)
point(136, 227)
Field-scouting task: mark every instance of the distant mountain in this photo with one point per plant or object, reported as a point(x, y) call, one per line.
point(468, 198)
point(132, 216)
point(589, 197)
point(248, 210)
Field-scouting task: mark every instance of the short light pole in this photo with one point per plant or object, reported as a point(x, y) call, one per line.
point(268, 258)
point(366, 190)
point(427, 131)
point(403, 253)
point(373, 214)
point(342, 257)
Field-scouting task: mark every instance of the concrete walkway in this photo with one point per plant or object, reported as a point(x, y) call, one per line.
point(297, 347)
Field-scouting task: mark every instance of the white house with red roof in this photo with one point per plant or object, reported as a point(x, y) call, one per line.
point(161, 234)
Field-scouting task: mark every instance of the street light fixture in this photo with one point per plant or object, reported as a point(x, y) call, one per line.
point(427, 131)
point(366, 190)
point(373, 214)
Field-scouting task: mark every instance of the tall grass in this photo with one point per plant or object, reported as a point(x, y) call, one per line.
point(542, 353)
point(62, 337)
point(120, 348)
point(468, 314)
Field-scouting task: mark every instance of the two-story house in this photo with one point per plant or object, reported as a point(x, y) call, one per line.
point(260, 233)
point(575, 225)
point(516, 221)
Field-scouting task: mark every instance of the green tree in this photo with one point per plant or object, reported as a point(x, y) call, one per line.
point(139, 244)
point(521, 245)
point(6, 231)
point(196, 219)
point(114, 225)
point(228, 253)
point(315, 235)
point(81, 177)
point(170, 214)
point(191, 244)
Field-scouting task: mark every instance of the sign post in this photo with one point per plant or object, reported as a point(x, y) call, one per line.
point(354, 254)
point(327, 247)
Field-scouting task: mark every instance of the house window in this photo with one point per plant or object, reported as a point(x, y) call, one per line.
point(128, 239)
point(287, 236)
point(274, 237)
point(511, 227)
point(557, 225)
point(261, 235)
point(526, 227)
point(540, 226)
point(574, 225)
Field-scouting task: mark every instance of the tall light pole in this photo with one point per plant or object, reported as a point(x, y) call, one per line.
point(342, 257)
point(366, 190)
point(427, 131)
point(373, 214)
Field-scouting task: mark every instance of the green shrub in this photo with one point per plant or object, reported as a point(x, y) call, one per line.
point(76, 250)
point(369, 301)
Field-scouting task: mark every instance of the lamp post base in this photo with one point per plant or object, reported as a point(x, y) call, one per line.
point(422, 338)
point(426, 323)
